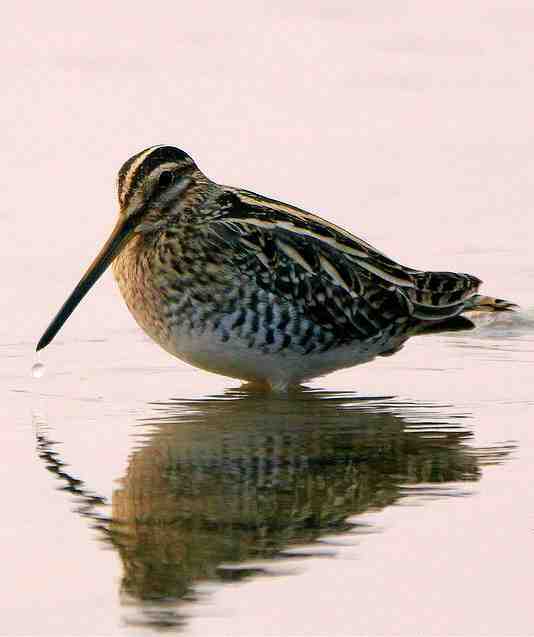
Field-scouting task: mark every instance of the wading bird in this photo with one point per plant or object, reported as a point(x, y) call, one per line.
point(245, 286)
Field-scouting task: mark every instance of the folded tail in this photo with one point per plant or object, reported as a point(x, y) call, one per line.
point(480, 303)
point(447, 301)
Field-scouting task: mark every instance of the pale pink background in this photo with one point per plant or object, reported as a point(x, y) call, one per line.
point(408, 123)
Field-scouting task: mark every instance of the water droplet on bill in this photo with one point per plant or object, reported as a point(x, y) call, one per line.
point(38, 370)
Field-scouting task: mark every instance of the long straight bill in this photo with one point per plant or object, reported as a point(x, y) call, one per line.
point(119, 237)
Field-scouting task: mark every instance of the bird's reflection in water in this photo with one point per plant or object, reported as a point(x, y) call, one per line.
point(244, 476)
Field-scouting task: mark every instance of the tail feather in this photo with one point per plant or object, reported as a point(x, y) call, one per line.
point(480, 303)
point(461, 316)
point(441, 296)
point(443, 288)
point(447, 301)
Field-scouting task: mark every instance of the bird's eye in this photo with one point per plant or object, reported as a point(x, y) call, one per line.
point(165, 179)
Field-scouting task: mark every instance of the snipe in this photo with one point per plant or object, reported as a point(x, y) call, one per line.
point(246, 286)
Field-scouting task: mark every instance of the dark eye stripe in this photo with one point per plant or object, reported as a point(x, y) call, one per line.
point(160, 155)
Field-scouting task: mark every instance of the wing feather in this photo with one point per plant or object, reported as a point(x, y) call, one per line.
point(337, 279)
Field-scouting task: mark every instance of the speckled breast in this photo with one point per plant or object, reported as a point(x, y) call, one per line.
point(221, 321)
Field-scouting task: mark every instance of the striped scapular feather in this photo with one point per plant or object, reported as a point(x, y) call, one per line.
point(338, 279)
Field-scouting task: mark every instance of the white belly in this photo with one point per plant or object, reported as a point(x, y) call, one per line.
point(277, 369)
point(254, 351)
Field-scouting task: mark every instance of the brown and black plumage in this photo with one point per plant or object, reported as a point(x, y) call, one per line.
point(250, 287)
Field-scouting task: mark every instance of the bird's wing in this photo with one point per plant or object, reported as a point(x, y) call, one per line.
point(335, 278)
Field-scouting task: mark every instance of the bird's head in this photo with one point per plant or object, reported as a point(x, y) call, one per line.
point(159, 187)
